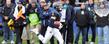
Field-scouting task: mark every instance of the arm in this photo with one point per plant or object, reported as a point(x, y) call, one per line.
point(40, 12)
point(27, 9)
point(72, 14)
point(12, 11)
point(69, 14)
point(5, 17)
point(15, 13)
point(23, 9)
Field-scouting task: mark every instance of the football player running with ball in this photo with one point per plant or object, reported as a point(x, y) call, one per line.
point(53, 26)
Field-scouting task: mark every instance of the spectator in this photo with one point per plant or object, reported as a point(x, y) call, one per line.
point(81, 18)
point(92, 23)
point(34, 20)
point(8, 10)
point(19, 21)
point(69, 22)
point(102, 23)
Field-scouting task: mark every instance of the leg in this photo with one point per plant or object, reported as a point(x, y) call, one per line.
point(42, 31)
point(77, 35)
point(52, 40)
point(58, 35)
point(5, 33)
point(32, 37)
point(39, 29)
point(11, 34)
point(36, 29)
point(70, 34)
point(64, 32)
point(28, 41)
point(48, 35)
point(19, 34)
point(28, 35)
point(84, 30)
point(106, 34)
point(93, 28)
point(32, 34)
point(88, 27)
point(100, 35)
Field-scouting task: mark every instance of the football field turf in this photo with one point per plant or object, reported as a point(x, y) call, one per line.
point(37, 41)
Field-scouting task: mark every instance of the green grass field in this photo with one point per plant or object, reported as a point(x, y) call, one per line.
point(37, 41)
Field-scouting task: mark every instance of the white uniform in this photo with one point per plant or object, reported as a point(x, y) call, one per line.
point(51, 32)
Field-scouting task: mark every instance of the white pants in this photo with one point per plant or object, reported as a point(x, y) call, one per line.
point(49, 33)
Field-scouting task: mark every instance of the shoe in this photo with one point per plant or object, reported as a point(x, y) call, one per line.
point(12, 42)
point(91, 42)
point(4, 42)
